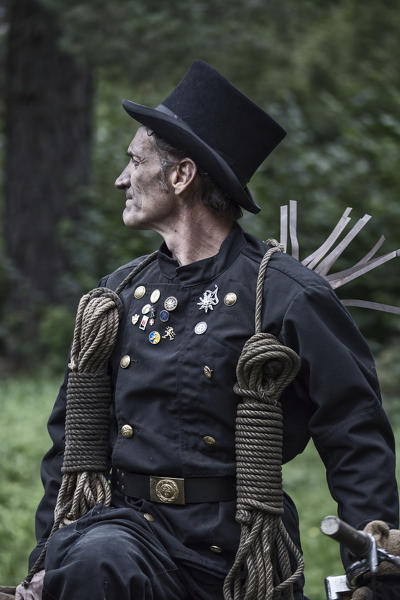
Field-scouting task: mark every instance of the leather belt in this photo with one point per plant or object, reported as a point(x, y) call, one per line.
point(174, 490)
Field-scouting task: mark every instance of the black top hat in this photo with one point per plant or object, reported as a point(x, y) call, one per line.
point(219, 127)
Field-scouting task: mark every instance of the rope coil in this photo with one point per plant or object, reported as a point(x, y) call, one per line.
point(89, 394)
point(265, 368)
point(87, 423)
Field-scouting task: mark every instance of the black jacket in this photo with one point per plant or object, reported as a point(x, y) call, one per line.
point(165, 396)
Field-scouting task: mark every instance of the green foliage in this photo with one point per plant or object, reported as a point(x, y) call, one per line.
point(388, 367)
point(55, 335)
point(25, 407)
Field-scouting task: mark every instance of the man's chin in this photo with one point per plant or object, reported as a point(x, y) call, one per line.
point(133, 222)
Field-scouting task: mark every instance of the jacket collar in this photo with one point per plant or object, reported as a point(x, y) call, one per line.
point(207, 268)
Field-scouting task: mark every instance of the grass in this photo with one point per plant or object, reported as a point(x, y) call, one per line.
point(26, 404)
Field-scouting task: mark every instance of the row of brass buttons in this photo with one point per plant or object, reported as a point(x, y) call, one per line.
point(127, 432)
point(126, 361)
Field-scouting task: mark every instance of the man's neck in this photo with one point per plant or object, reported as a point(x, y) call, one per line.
point(195, 238)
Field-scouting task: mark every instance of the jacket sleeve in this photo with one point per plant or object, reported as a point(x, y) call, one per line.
point(51, 472)
point(51, 467)
point(348, 425)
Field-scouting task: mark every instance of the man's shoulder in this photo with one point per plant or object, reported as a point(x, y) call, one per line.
point(282, 269)
point(112, 280)
point(287, 281)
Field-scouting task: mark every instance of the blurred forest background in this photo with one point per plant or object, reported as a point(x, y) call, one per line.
point(327, 71)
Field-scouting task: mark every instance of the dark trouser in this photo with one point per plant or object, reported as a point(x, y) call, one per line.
point(114, 554)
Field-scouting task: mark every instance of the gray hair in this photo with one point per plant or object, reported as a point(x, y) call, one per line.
point(211, 195)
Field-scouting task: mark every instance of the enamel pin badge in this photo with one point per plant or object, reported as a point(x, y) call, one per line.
point(208, 300)
point(143, 322)
point(169, 333)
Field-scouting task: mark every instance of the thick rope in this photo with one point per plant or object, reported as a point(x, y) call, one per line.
point(86, 456)
point(262, 567)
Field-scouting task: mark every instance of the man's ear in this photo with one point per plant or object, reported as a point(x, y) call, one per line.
point(182, 175)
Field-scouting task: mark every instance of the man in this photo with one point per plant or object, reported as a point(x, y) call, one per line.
point(170, 532)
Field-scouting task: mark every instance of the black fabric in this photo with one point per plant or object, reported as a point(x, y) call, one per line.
point(116, 554)
point(171, 405)
point(387, 588)
point(218, 126)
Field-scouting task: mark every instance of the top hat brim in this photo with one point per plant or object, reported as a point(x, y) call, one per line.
point(175, 131)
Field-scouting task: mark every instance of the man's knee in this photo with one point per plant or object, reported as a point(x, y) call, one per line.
point(109, 562)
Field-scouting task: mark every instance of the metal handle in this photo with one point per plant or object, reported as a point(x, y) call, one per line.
point(358, 542)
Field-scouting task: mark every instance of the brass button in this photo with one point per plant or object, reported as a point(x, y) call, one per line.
point(230, 299)
point(125, 361)
point(126, 431)
point(209, 440)
point(216, 549)
point(139, 292)
point(207, 371)
point(148, 517)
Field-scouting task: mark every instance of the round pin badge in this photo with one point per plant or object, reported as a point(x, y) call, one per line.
point(154, 337)
point(155, 296)
point(200, 327)
point(146, 309)
point(139, 292)
point(171, 303)
point(164, 316)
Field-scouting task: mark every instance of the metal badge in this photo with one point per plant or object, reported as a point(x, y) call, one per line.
point(143, 322)
point(155, 296)
point(151, 321)
point(207, 371)
point(208, 300)
point(200, 328)
point(154, 337)
point(125, 361)
point(171, 303)
point(139, 292)
point(146, 309)
point(164, 316)
point(230, 299)
point(169, 333)
point(135, 319)
point(168, 490)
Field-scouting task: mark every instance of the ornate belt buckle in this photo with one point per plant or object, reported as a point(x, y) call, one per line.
point(168, 490)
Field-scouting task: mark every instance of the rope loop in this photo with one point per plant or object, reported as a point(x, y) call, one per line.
point(86, 457)
point(265, 368)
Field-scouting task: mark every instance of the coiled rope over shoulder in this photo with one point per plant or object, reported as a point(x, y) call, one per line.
point(86, 456)
point(265, 369)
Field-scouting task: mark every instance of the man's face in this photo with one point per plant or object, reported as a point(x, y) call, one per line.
point(148, 205)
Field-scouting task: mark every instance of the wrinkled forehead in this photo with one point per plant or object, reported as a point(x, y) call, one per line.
point(143, 142)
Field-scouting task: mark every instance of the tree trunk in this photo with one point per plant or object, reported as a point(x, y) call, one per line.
point(48, 137)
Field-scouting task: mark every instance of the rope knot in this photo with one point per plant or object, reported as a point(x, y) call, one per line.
point(96, 327)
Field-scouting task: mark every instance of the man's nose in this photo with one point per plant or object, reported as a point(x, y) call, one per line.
point(123, 181)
